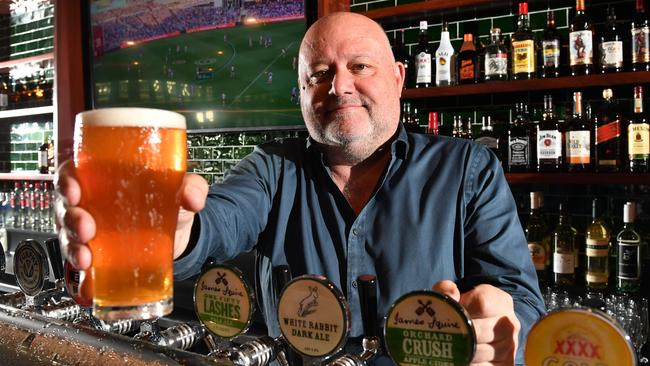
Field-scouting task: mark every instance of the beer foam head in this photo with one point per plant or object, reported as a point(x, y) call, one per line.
point(131, 117)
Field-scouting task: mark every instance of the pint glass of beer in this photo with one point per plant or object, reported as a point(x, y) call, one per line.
point(130, 164)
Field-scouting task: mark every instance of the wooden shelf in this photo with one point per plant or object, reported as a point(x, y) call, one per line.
point(513, 86)
point(37, 58)
point(26, 175)
point(420, 7)
point(578, 178)
point(11, 113)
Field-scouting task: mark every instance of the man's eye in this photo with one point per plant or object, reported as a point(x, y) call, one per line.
point(360, 67)
point(317, 76)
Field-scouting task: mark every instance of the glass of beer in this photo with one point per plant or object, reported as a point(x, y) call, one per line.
point(130, 164)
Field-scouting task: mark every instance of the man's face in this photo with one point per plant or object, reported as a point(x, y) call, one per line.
point(350, 85)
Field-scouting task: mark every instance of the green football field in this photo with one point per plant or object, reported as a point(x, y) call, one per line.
point(224, 78)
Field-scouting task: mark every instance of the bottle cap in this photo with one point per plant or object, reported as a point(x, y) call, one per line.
point(494, 31)
point(629, 212)
point(423, 24)
point(536, 200)
point(607, 94)
point(433, 120)
point(523, 8)
point(468, 37)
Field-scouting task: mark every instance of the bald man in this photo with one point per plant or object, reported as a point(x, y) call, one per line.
point(359, 196)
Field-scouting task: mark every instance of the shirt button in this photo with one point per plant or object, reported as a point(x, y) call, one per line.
point(355, 232)
point(354, 284)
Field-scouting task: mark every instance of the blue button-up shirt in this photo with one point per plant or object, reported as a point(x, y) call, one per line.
point(442, 210)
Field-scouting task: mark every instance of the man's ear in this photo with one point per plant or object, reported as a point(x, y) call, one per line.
point(400, 74)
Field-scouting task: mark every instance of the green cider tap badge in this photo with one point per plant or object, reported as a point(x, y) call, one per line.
point(222, 301)
point(429, 328)
point(578, 336)
point(314, 316)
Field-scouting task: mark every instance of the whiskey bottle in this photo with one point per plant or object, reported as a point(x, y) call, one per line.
point(536, 235)
point(611, 46)
point(468, 61)
point(581, 36)
point(638, 136)
point(640, 39)
point(550, 65)
point(597, 250)
point(564, 249)
point(445, 60)
point(496, 58)
point(401, 55)
point(578, 139)
point(523, 47)
point(458, 127)
point(629, 253)
point(488, 137)
point(607, 131)
point(549, 140)
point(520, 141)
point(422, 57)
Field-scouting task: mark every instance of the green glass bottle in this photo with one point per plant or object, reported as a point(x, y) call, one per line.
point(536, 234)
point(564, 237)
point(629, 253)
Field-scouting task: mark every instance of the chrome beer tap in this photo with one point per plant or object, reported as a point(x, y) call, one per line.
point(14, 299)
point(371, 343)
point(181, 336)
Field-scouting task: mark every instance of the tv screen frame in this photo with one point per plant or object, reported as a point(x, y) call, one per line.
point(179, 53)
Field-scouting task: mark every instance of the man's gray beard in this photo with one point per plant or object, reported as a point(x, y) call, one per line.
point(351, 149)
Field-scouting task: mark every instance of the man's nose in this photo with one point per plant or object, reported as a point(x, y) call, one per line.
point(342, 83)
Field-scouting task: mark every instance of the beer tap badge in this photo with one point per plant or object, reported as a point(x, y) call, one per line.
point(429, 328)
point(314, 316)
point(578, 336)
point(222, 301)
point(31, 267)
point(3, 261)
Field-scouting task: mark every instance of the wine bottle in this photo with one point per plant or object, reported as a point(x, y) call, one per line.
point(638, 136)
point(422, 57)
point(597, 249)
point(578, 139)
point(607, 135)
point(549, 140)
point(640, 39)
point(564, 249)
point(536, 235)
point(445, 60)
point(629, 253)
point(550, 65)
point(581, 36)
point(611, 46)
point(523, 47)
point(468, 61)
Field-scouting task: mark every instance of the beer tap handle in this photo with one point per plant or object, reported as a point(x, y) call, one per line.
point(285, 355)
point(281, 276)
point(3, 261)
point(368, 298)
point(54, 252)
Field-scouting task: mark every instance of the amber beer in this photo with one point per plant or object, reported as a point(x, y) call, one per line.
point(130, 164)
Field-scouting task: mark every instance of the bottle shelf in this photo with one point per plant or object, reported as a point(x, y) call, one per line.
point(578, 178)
point(420, 7)
point(22, 112)
point(26, 175)
point(513, 86)
point(18, 61)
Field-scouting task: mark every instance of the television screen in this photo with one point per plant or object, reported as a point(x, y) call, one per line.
point(224, 64)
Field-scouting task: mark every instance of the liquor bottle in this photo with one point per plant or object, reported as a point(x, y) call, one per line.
point(411, 123)
point(42, 157)
point(550, 65)
point(423, 58)
point(445, 60)
point(611, 46)
point(638, 136)
point(578, 139)
point(401, 55)
point(581, 37)
point(520, 141)
point(564, 249)
point(4, 92)
point(50, 157)
point(549, 140)
point(466, 128)
point(523, 47)
point(607, 131)
point(468, 61)
point(597, 250)
point(445, 129)
point(536, 235)
point(432, 128)
point(458, 127)
point(496, 58)
point(640, 39)
point(488, 137)
point(629, 253)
